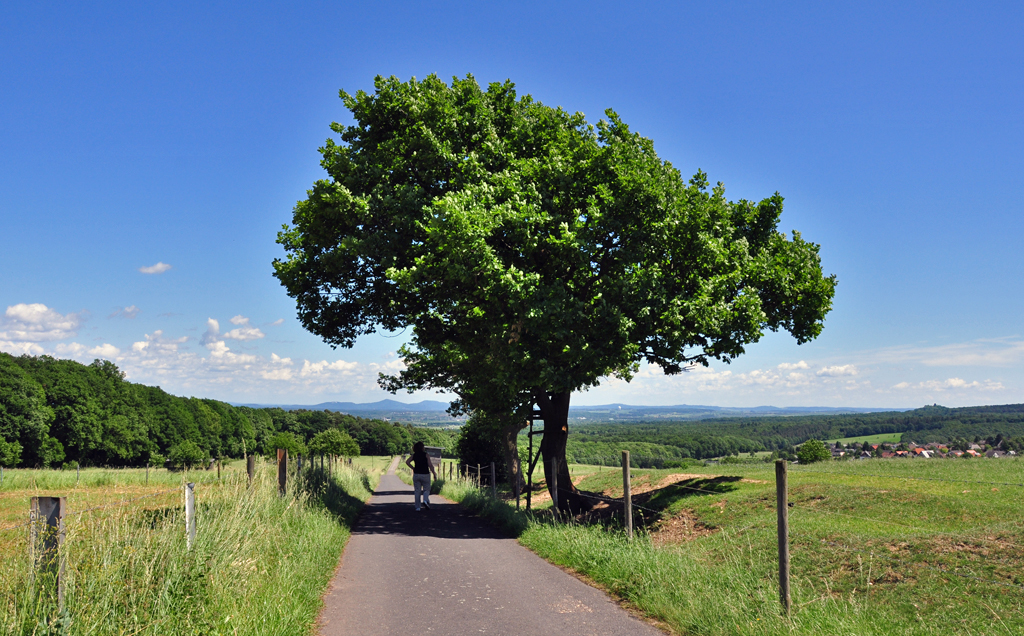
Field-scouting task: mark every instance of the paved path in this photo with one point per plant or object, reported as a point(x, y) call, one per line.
point(443, 571)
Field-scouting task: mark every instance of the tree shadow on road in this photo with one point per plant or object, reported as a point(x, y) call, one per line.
point(392, 512)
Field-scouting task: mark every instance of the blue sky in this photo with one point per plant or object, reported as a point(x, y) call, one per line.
point(135, 137)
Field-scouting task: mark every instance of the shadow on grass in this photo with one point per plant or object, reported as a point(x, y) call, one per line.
point(648, 507)
point(325, 490)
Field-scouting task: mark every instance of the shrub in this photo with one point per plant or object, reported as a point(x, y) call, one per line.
point(286, 441)
point(813, 451)
point(333, 442)
point(186, 455)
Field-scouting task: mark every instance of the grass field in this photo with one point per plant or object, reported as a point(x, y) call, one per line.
point(881, 438)
point(878, 546)
point(259, 564)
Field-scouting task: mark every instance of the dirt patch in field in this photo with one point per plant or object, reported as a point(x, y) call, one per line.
point(679, 529)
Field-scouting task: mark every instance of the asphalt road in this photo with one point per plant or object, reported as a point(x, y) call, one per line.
point(443, 571)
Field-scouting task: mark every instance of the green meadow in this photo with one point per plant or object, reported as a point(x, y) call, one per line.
point(877, 546)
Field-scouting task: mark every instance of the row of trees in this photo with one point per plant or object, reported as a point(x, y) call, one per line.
point(60, 411)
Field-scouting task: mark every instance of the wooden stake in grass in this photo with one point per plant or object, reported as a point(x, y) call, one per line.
point(250, 467)
point(46, 527)
point(190, 515)
point(282, 471)
point(494, 483)
point(627, 496)
point(782, 504)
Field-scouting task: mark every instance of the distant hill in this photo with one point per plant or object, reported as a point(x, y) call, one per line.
point(434, 411)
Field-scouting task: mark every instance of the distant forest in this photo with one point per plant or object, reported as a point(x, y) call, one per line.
point(702, 439)
point(55, 412)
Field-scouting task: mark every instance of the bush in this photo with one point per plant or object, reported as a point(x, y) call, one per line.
point(187, 455)
point(813, 451)
point(333, 442)
point(286, 441)
point(10, 453)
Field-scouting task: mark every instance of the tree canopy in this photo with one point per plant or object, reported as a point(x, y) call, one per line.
point(531, 252)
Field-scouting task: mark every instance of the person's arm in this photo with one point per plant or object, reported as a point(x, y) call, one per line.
point(408, 461)
point(430, 462)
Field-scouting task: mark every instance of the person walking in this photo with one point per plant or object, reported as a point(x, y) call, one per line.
point(422, 468)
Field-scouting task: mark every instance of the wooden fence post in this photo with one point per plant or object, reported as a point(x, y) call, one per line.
point(78, 473)
point(46, 527)
point(190, 515)
point(250, 467)
point(627, 496)
point(554, 484)
point(782, 504)
point(218, 469)
point(147, 473)
point(282, 471)
point(494, 483)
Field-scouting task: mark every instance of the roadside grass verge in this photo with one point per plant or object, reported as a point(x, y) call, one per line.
point(878, 546)
point(259, 564)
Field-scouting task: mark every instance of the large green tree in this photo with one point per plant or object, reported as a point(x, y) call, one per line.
point(533, 252)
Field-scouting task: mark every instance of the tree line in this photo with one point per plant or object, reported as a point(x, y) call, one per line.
point(731, 436)
point(55, 412)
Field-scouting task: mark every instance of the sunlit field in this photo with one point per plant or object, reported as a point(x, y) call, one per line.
point(910, 546)
point(259, 564)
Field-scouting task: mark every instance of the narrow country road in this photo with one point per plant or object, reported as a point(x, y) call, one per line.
point(443, 571)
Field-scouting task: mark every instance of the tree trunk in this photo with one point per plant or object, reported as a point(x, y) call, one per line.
point(510, 450)
point(554, 408)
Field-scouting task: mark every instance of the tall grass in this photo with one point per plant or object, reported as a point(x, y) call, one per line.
point(259, 564)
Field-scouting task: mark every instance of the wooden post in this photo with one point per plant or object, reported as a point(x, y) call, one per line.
point(218, 469)
point(782, 504)
point(78, 473)
point(147, 473)
point(478, 479)
point(627, 496)
point(190, 515)
point(494, 483)
point(554, 484)
point(250, 467)
point(46, 527)
point(282, 471)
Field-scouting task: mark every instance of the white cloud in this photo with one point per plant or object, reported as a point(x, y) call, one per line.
point(212, 332)
point(788, 366)
point(36, 322)
point(159, 268)
point(105, 350)
point(158, 344)
point(310, 369)
point(71, 350)
point(276, 323)
point(951, 384)
point(838, 371)
point(21, 348)
point(999, 352)
point(126, 312)
point(244, 330)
